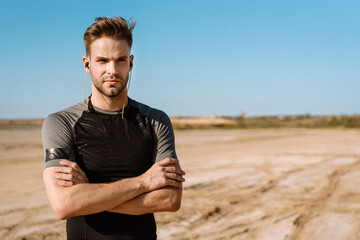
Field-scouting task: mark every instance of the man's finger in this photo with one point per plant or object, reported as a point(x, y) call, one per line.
point(174, 183)
point(70, 178)
point(65, 183)
point(67, 163)
point(63, 169)
point(175, 177)
point(63, 176)
point(73, 176)
point(67, 170)
point(174, 163)
point(168, 161)
point(174, 169)
point(73, 165)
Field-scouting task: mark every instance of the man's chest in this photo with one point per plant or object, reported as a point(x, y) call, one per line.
point(110, 148)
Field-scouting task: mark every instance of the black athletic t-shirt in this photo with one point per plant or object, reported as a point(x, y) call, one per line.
point(109, 148)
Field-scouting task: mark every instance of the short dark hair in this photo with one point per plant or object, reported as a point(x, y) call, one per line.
point(116, 28)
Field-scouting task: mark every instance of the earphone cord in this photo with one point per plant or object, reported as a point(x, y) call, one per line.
point(86, 110)
point(127, 90)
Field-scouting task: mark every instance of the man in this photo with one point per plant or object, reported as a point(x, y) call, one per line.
point(110, 162)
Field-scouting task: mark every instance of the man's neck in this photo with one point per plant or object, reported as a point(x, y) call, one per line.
point(110, 104)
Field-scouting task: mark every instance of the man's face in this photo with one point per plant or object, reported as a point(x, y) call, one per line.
point(110, 62)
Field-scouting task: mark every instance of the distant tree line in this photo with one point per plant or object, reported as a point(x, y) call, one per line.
point(305, 121)
point(281, 121)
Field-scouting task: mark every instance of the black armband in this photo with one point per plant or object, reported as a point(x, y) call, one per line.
point(56, 153)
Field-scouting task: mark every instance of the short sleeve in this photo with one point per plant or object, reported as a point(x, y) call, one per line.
point(57, 140)
point(165, 138)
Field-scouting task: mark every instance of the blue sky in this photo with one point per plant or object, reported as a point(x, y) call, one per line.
point(192, 58)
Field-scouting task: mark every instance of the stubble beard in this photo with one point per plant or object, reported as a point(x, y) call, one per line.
point(112, 91)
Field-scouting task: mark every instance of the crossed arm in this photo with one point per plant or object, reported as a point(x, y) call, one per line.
point(70, 194)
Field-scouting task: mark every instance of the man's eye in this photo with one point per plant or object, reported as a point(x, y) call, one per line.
point(102, 60)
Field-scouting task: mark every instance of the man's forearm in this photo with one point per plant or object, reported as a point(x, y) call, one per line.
point(84, 199)
point(160, 200)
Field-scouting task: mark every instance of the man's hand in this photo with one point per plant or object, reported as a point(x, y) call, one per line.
point(159, 198)
point(70, 174)
point(164, 173)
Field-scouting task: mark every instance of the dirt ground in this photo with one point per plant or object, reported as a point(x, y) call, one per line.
point(271, 184)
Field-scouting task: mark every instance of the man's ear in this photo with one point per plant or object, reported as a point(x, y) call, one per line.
point(86, 63)
point(131, 60)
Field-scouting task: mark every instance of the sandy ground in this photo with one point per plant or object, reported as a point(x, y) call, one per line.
point(241, 184)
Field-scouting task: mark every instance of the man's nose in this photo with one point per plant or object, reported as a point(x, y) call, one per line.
point(112, 68)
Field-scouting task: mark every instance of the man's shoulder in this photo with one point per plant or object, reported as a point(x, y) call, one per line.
point(68, 115)
point(163, 131)
point(58, 134)
point(153, 114)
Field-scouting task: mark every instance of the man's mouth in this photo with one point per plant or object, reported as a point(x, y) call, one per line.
point(112, 81)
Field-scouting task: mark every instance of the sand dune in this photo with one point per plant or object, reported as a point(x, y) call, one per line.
point(241, 184)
